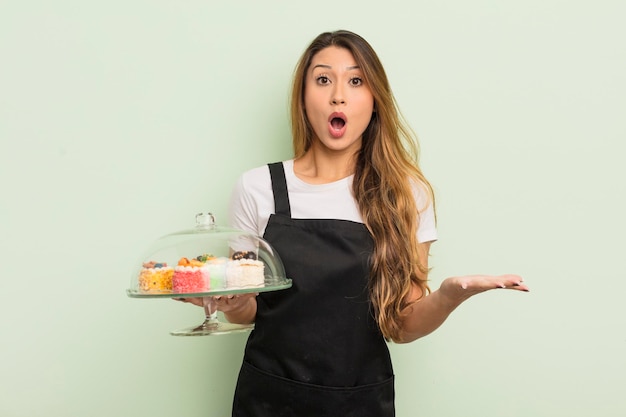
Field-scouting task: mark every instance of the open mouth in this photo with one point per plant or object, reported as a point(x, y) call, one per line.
point(337, 124)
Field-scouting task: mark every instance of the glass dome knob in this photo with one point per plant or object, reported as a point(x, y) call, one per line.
point(205, 221)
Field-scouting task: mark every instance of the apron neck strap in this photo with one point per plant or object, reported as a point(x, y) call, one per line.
point(279, 187)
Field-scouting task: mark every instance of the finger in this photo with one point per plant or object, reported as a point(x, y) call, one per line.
point(520, 286)
point(517, 283)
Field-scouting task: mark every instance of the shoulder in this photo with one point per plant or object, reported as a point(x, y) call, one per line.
point(258, 176)
point(252, 200)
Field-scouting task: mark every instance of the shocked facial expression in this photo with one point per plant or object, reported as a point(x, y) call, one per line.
point(337, 101)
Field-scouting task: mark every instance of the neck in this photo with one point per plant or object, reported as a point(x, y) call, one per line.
point(319, 167)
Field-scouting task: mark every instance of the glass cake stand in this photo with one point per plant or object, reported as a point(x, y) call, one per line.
point(211, 247)
point(212, 325)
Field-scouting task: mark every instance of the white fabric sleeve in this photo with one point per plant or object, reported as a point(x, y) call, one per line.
point(242, 209)
point(427, 228)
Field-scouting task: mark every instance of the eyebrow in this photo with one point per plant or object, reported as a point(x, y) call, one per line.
point(330, 67)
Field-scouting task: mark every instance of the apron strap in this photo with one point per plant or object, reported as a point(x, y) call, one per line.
point(279, 187)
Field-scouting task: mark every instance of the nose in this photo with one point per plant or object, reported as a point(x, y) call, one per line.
point(337, 96)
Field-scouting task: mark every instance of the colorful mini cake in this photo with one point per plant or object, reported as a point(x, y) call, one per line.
point(217, 272)
point(190, 275)
point(244, 271)
point(155, 277)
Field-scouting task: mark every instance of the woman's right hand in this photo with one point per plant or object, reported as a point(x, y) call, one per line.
point(232, 303)
point(237, 308)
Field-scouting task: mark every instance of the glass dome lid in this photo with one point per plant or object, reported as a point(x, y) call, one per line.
point(207, 260)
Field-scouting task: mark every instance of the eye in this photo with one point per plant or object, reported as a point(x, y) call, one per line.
point(322, 80)
point(356, 81)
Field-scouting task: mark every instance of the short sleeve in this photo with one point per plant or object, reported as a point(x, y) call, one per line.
point(427, 228)
point(242, 210)
point(252, 201)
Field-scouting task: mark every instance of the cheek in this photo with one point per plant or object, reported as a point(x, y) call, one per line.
point(370, 101)
point(313, 98)
point(367, 106)
point(314, 111)
point(365, 101)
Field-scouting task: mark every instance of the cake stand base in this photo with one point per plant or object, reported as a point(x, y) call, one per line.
point(213, 328)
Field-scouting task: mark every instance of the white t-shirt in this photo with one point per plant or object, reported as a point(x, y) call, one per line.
point(252, 202)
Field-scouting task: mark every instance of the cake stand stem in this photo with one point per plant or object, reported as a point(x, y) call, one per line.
point(210, 314)
point(212, 325)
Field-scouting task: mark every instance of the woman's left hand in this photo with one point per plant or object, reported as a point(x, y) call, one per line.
point(459, 289)
point(428, 313)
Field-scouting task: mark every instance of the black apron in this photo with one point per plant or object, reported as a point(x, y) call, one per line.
point(316, 349)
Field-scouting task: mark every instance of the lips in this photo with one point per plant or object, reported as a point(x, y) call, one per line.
point(337, 123)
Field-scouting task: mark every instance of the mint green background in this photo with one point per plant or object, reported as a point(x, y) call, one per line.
point(120, 120)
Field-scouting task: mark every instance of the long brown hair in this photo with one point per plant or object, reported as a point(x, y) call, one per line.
point(386, 173)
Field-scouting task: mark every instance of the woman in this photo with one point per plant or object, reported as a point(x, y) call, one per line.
point(352, 218)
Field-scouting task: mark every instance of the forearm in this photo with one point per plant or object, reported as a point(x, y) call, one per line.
point(242, 314)
point(426, 315)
